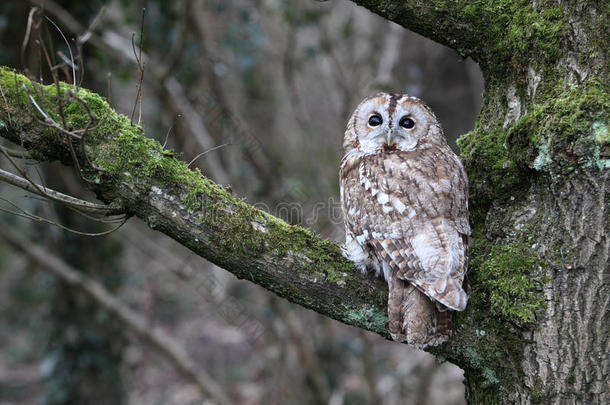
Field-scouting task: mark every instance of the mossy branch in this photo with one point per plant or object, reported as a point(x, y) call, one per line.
point(465, 26)
point(134, 174)
point(498, 34)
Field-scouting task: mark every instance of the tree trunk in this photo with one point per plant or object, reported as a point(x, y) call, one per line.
point(535, 330)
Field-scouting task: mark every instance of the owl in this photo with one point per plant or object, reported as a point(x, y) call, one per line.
point(404, 195)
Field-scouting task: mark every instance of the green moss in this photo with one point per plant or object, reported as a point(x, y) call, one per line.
point(487, 358)
point(568, 130)
point(474, 360)
point(530, 29)
point(488, 159)
point(538, 394)
point(514, 31)
point(507, 275)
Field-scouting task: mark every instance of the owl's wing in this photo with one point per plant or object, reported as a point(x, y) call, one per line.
point(418, 220)
point(427, 270)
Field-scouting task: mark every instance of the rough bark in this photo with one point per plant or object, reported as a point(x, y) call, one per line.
point(536, 329)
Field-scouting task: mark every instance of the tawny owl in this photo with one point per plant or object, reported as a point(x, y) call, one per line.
point(404, 195)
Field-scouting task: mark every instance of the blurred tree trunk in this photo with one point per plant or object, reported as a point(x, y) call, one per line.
point(536, 329)
point(86, 342)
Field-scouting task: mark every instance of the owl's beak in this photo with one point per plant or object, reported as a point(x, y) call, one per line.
point(388, 137)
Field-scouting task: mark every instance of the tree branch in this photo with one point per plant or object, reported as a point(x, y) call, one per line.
point(165, 344)
point(461, 25)
point(73, 202)
point(142, 179)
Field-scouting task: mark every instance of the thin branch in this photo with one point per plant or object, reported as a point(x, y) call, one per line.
point(56, 196)
point(69, 49)
point(104, 220)
point(50, 121)
point(83, 38)
point(20, 212)
point(28, 31)
point(205, 152)
point(138, 56)
point(163, 343)
point(169, 131)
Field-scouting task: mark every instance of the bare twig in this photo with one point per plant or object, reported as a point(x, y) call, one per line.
point(138, 56)
point(69, 49)
point(163, 343)
point(50, 121)
point(204, 152)
point(20, 212)
point(28, 31)
point(169, 131)
point(83, 38)
point(79, 205)
point(82, 207)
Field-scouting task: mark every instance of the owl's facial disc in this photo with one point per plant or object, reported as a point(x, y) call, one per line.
point(387, 122)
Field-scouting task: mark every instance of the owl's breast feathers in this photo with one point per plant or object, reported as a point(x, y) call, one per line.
point(409, 209)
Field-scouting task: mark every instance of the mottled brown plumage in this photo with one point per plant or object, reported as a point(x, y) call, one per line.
point(404, 197)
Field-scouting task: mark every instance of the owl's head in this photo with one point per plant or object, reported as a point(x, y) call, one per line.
point(387, 122)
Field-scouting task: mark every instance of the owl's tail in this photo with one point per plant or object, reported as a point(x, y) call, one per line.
point(413, 317)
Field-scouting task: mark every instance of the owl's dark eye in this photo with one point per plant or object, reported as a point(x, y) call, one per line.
point(406, 122)
point(375, 120)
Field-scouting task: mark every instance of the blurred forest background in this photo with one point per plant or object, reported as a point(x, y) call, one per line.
point(269, 84)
